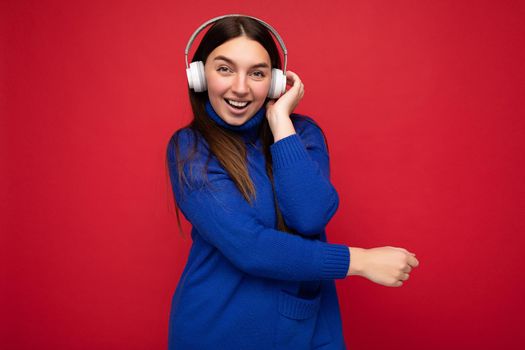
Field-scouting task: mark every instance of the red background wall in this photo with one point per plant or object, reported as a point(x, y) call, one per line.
point(423, 106)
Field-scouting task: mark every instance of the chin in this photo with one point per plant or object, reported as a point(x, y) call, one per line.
point(237, 121)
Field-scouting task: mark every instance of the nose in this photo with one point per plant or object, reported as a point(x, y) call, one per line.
point(239, 85)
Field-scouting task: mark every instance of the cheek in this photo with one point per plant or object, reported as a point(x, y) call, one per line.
point(261, 90)
point(215, 84)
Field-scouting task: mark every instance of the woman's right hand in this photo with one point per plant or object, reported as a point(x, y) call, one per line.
point(388, 266)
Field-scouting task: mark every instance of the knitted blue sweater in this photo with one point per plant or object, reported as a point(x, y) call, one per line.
point(247, 285)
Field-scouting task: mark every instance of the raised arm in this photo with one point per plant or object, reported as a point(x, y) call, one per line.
point(300, 161)
point(301, 168)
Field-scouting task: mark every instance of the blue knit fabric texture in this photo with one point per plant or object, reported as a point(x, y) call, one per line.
point(247, 285)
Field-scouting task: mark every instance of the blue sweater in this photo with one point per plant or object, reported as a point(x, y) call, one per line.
point(247, 285)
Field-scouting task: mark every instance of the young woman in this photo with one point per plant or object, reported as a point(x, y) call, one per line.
point(253, 179)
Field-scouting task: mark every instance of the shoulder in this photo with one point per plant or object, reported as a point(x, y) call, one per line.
point(184, 142)
point(309, 130)
point(184, 137)
point(187, 158)
point(302, 121)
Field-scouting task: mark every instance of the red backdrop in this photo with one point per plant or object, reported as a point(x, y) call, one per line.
point(422, 104)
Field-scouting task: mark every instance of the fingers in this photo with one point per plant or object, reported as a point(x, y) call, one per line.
point(294, 80)
point(405, 275)
point(393, 265)
point(397, 284)
point(412, 261)
point(400, 281)
point(297, 86)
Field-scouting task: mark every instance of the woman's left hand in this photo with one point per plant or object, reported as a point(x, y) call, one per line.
point(285, 104)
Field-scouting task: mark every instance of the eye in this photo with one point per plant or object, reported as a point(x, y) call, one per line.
point(223, 69)
point(259, 74)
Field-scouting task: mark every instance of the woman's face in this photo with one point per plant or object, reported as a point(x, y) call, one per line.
point(238, 71)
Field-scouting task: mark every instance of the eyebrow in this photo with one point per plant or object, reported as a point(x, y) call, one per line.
point(220, 57)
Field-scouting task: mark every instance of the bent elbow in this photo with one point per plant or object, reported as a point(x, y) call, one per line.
point(314, 222)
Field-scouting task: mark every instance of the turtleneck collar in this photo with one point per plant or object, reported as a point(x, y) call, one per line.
point(249, 130)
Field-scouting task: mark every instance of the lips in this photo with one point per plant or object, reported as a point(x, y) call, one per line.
point(237, 107)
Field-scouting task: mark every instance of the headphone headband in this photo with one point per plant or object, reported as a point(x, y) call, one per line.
point(274, 32)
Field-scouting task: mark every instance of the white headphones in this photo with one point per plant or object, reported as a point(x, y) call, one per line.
point(195, 71)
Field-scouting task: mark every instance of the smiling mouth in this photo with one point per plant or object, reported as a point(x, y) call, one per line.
point(237, 105)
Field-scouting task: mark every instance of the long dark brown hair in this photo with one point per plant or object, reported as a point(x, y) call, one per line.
point(228, 147)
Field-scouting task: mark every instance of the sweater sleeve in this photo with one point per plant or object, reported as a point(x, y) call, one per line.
point(306, 197)
point(221, 215)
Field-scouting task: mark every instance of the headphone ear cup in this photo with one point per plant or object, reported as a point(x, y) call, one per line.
point(196, 77)
point(278, 84)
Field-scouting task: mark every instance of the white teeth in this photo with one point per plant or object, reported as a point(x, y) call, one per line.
point(237, 104)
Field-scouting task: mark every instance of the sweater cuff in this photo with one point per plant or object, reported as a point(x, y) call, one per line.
point(288, 150)
point(336, 261)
